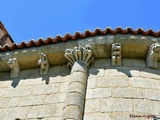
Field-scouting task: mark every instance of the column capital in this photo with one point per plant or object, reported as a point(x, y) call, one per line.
point(82, 54)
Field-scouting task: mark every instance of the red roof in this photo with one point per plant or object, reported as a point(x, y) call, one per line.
point(5, 31)
point(78, 35)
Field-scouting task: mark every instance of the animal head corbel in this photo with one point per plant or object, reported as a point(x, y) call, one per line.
point(14, 65)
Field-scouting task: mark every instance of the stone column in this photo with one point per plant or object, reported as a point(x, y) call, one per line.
point(79, 60)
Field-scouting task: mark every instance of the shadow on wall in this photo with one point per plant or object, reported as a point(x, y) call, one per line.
point(123, 70)
point(33, 75)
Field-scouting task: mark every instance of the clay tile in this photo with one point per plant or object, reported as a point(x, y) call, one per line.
point(13, 46)
point(118, 30)
point(31, 43)
point(97, 31)
point(59, 38)
point(22, 45)
point(149, 32)
point(140, 30)
point(88, 33)
point(48, 40)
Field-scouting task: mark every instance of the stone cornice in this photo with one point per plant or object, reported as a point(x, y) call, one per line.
point(132, 46)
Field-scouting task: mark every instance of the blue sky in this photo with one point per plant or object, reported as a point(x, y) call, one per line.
point(33, 19)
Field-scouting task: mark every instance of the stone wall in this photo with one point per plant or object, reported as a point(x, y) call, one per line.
point(32, 96)
point(113, 93)
point(122, 93)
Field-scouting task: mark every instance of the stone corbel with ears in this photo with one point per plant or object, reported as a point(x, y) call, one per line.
point(44, 64)
point(15, 69)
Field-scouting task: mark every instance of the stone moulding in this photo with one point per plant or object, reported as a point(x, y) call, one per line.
point(133, 46)
point(153, 54)
point(44, 64)
point(116, 54)
point(14, 65)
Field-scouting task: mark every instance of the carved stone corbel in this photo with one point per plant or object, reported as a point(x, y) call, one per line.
point(44, 64)
point(153, 53)
point(116, 54)
point(83, 54)
point(14, 65)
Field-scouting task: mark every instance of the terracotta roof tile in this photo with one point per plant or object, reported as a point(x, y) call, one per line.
point(78, 35)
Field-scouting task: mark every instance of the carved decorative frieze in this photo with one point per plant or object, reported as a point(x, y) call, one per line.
point(116, 54)
point(44, 64)
point(83, 54)
point(14, 65)
point(153, 54)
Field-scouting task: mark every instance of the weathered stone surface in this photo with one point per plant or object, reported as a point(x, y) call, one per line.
point(54, 70)
point(134, 46)
point(34, 73)
point(63, 87)
point(129, 71)
point(72, 112)
point(116, 81)
point(144, 83)
point(96, 72)
point(75, 99)
point(99, 63)
point(24, 73)
point(14, 102)
point(150, 106)
point(45, 89)
point(6, 84)
point(130, 62)
point(55, 98)
point(59, 109)
point(32, 100)
point(76, 87)
point(98, 93)
point(91, 83)
point(127, 92)
point(16, 112)
point(116, 71)
point(4, 102)
point(79, 66)
point(82, 77)
point(42, 111)
point(4, 76)
point(19, 91)
point(65, 70)
point(92, 106)
point(3, 91)
point(150, 73)
point(108, 105)
point(151, 94)
point(97, 116)
point(33, 81)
